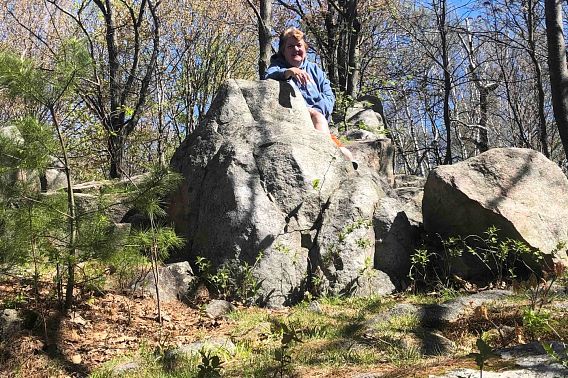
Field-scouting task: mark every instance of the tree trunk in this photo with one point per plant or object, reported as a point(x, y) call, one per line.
point(71, 216)
point(485, 87)
point(116, 152)
point(162, 134)
point(443, 30)
point(557, 68)
point(342, 57)
point(539, 86)
point(354, 57)
point(264, 37)
point(125, 85)
point(331, 56)
point(482, 139)
point(263, 21)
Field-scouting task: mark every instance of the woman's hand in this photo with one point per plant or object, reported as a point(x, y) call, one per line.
point(300, 75)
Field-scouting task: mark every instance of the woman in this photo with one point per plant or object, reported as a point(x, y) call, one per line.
point(290, 63)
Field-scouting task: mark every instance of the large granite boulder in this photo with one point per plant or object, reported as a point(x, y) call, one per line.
point(519, 191)
point(260, 181)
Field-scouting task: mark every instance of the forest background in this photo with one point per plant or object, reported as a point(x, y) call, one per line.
point(454, 77)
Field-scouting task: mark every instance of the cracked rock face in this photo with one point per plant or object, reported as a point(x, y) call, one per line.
point(259, 180)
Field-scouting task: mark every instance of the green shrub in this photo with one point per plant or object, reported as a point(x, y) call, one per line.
point(233, 280)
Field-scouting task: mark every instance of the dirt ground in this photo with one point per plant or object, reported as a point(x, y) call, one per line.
point(93, 332)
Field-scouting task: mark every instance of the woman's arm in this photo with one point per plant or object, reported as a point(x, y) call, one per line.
point(279, 73)
point(275, 72)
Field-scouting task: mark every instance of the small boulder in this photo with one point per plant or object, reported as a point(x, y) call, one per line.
point(174, 282)
point(125, 368)
point(314, 306)
point(215, 345)
point(10, 176)
point(182, 272)
point(362, 116)
point(218, 308)
point(358, 134)
point(10, 323)
point(54, 177)
point(429, 341)
point(435, 315)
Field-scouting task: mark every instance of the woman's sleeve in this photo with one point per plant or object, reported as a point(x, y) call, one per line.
point(328, 98)
point(274, 72)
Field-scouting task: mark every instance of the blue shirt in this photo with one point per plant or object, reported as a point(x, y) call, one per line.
point(317, 93)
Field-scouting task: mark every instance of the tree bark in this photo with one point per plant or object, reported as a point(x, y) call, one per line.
point(331, 39)
point(542, 132)
point(71, 215)
point(482, 139)
point(116, 151)
point(485, 87)
point(557, 68)
point(264, 22)
point(354, 62)
point(443, 30)
point(264, 37)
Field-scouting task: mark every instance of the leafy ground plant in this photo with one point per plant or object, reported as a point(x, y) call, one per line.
point(282, 356)
point(210, 366)
point(434, 265)
point(482, 355)
point(559, 357)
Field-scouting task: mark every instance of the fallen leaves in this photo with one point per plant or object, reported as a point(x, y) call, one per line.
point(103, 328)
point(481, 312)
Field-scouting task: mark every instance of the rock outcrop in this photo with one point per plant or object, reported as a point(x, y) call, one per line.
point(10, 323)
point(54, 176)
point(9, 175)
point(259, 180)
point(49, 179)
point(519, 191)
point(364, 117)
point(365, 114)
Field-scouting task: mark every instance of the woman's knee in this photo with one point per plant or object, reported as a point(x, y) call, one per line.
point(320, 123)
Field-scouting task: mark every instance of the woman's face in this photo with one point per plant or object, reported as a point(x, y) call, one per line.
point(294, 51)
